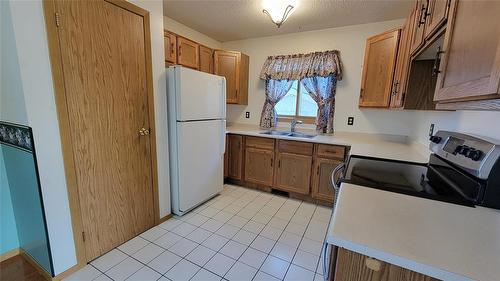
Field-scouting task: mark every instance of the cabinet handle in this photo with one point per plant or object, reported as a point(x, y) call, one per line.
point(179, 51)
point(317, 170)
point(420, 21)
point(395, 91)
point(271, 162)
point(437, 62)
point(279, 163)
point(172, 48)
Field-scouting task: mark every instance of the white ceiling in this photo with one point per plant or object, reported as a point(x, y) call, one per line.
point(240, 19)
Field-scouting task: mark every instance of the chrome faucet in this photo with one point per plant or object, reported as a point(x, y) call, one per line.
point(293, 124)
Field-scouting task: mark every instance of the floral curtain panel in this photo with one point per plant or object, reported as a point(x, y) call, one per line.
point(275, 91)
point(322, 91)
point(295, 67)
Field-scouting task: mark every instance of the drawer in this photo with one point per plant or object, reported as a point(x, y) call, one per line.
point(304, 148)
point(264, 143)
point(331, 151)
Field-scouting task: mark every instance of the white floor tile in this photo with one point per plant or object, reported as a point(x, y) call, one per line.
point(284, 214)
point(240, 272)
point(306, 260)
point(182, 271)
point(199, 235)
point(215, 242)
point(269, 210)
point(232, 209)
point(205, 275)
point(201, 255)
point(318, 277)
point(124, 269)
point(237, 221)
point(223, 216)
point(102, 277)
point(197, 220)
point(209, 212)
point(290, 239)
point(244, 237)
point(164, 262)
point(254, 227)
point(271, 232)
point(283, 251)
point(144, 274)
point(253, 257)
point(263, 244)
point(184, 229)
point(212, 225)
point(227, 231)
point(219, 264)
point(108, 260)
point(297, 273)
point(170, 224)
point(274, 266)
point(296, 228)
point(168, 240)
point(262, 276)
point(148, 253)
point(183, 247)
point(233, 249)
point(133, 245)
point(88, 272)
point(278, 223)
point(311, 246)
point(262, 218)
point(246, 213)
point(153, 233)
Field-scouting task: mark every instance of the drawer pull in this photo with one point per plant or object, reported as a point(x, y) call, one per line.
point(373, 264)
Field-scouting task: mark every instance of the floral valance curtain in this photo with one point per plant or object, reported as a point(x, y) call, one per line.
point(295, 67)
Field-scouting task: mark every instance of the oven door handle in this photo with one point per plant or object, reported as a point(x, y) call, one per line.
point(450, 183)
point(329, 251)
point(340, 168)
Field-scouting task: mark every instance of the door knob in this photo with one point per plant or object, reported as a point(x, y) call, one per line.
point(144, 132)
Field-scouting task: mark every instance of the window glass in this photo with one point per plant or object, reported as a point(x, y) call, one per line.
point(288, 104)
point(307, 106)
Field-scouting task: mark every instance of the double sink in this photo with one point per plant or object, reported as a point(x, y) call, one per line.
point(288, 134)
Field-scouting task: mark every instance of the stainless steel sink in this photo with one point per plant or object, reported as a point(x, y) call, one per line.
point(288, 134)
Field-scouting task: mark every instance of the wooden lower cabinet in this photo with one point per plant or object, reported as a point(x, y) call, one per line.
point(321, 185)
point(235, 150)
point(294, 172)
point(259, 166)
point(352, 266)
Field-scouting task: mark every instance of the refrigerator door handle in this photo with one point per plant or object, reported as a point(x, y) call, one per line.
point(223, 137)
point(223, 104)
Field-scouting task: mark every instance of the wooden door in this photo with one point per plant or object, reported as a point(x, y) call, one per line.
point(470, 64)
point(436, 16)
point(402, 65)
point(235, 149)
point(206, 59)
point(322, 188)
point(259, 166)
point(227, 64)
point(378, 69)
point(112, 161)
point(417, 39)
point(187, 52)
point(170, 41)
point(294, 172)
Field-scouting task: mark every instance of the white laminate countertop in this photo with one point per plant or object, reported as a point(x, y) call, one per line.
point(442, 240)
point(395, 147)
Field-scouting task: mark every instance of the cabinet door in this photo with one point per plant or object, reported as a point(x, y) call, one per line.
point(417, 39)
point(322, 187)
point(227, 64)
point(259, 166)
point(402, 66)
point(235, 149)
point(170, 41)
point(294, 172)
point(206, 59)
point(187, 52)
point(378, 69)
point(470, 64)
point(436, 16)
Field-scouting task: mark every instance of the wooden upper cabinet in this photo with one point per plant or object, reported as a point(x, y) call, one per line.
point(322, 187)
point(470, 62)
point(436, 16)
point(187, 52)
point(235, 150)
point(402, 66)
point(170, 41)
point(378, 69)
point(233, 66)
point(417, 39)
point(206, 59)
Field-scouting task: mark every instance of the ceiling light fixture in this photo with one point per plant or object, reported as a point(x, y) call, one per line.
point(279, 10)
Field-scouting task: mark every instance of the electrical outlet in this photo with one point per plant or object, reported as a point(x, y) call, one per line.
point(350, 120)
point(247, 114)
point(431, 130)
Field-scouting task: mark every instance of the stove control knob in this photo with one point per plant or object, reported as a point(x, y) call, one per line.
point(475, 154)
point(458, 149)
point(464, 150)
point(435, 139)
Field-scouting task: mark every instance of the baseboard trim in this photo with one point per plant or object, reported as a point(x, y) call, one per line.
point(42, 271)
point(7, 255)
point(165, 218)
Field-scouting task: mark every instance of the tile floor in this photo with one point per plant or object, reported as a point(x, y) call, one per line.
point(243, 234)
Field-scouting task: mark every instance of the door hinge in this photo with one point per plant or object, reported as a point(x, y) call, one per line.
point(83, 236)
point(57, 17)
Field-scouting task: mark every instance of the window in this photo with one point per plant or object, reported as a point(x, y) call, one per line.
point(297, 103)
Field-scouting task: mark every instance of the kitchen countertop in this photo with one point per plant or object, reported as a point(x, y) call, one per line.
point(395, 147)
point(442, 240)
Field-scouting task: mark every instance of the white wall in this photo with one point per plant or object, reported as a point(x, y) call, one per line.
point(177, 27)
point(350, 41)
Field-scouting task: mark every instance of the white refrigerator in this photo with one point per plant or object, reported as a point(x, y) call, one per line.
point(197, 133)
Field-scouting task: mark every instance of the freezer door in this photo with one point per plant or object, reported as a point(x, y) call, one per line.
point(199, 95)
point(200, 161)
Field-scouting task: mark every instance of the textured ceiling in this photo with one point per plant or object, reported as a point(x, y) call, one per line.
point(234, 19)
